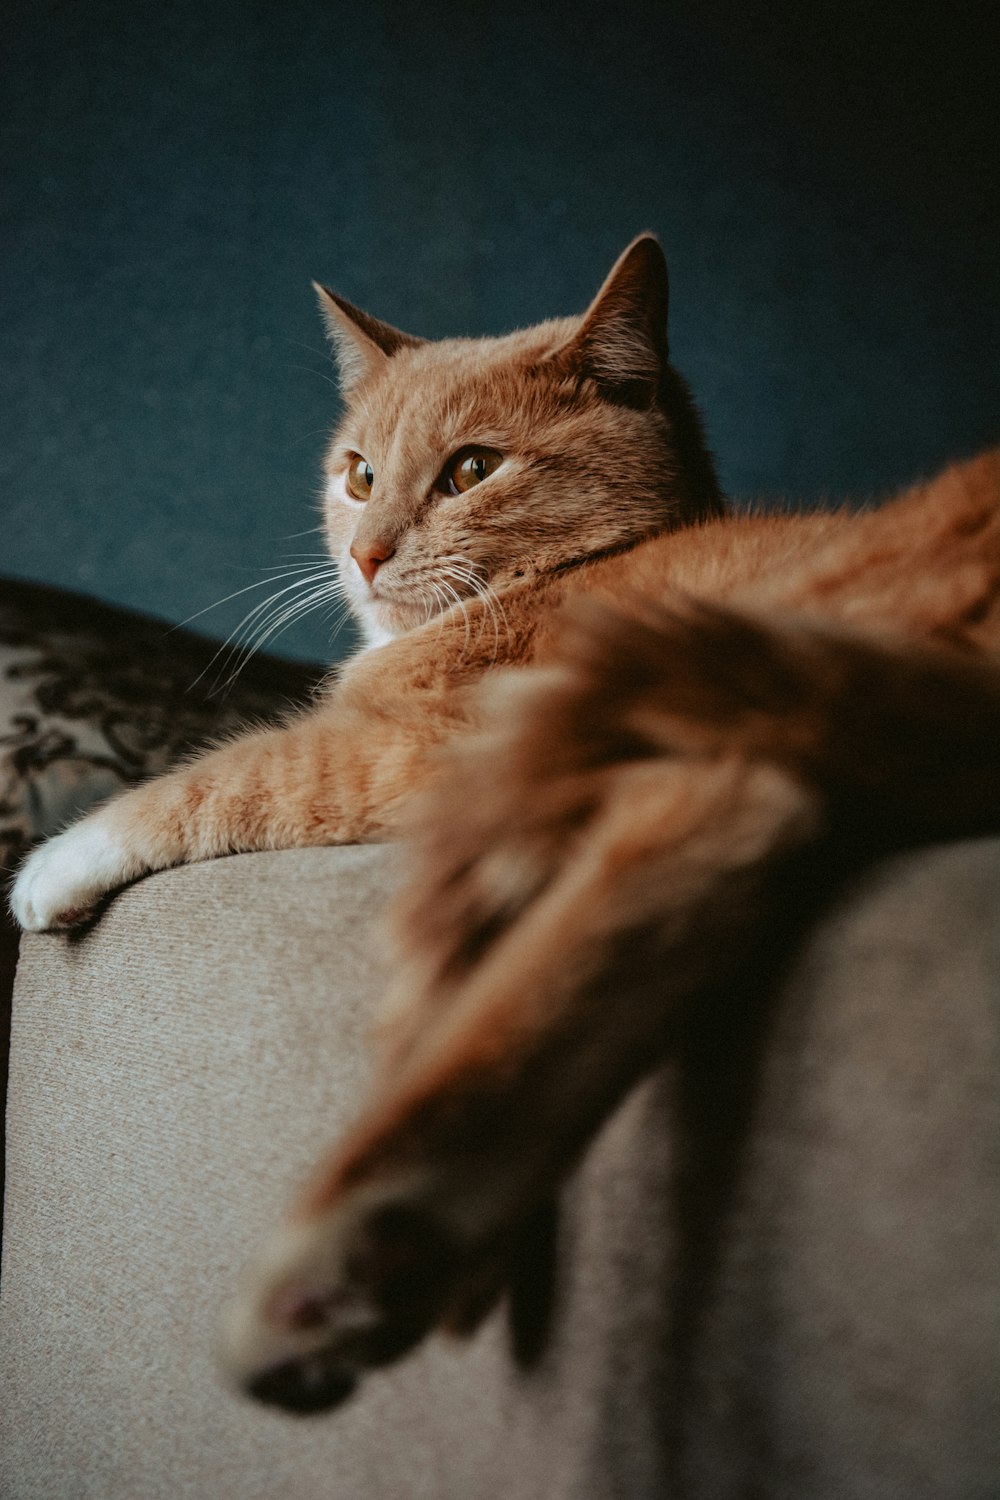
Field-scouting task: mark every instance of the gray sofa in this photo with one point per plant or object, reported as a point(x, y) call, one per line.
point(776, 1268)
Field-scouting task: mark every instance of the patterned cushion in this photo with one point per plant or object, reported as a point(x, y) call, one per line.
point(94, 698)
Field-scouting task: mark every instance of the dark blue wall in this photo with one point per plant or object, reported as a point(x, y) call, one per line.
point(825, 186)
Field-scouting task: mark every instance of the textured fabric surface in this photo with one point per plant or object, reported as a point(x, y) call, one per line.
point(777, 1266)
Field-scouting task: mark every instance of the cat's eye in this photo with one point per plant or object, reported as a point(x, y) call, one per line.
point(471, 467)
point(360, 478)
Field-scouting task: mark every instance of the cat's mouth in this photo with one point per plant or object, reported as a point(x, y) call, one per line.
point(413, 600)
point(402, 596)
point(383, 606)
point(397, 610)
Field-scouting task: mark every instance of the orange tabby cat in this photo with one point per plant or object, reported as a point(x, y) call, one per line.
point(701, 699)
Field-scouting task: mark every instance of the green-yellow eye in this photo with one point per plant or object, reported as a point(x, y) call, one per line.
point(360, 478)
point(471, 467)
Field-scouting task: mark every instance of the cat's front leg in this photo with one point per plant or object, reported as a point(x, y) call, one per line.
point(319, 780)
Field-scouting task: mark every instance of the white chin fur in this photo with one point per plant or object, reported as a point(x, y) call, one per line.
point(369, 613)
point(364, 608)
point(375, 635)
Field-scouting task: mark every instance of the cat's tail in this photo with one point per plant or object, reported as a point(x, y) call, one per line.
point(903, 735)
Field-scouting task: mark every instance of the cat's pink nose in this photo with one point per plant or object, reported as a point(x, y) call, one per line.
point(370, 557)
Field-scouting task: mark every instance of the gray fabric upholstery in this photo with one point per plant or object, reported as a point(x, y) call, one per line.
point(793, 1297)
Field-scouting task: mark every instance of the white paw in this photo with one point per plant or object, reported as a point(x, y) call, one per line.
point(63, 879)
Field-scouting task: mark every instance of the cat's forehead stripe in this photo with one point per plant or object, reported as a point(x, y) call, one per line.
point(440, 391)
point(428, 417)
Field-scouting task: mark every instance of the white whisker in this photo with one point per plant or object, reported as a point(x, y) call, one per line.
point(292, 536)
point(258, 617)
point(469, 577)
point(261, 582)
point(311, 370)
point(271, 625)
point(457, 601)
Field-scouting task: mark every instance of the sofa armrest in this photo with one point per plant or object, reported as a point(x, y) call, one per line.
point(788, 1288)
point(175, 1074)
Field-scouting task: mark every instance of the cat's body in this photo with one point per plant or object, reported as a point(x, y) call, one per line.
point(709, 697)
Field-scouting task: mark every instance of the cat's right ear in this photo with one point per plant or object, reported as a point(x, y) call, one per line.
point(361, 343)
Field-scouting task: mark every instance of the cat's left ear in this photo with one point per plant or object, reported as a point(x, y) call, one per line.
point(361, 343)
point(622, 340)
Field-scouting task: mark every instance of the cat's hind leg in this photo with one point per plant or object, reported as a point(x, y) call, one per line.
point(620, 839)
point(550, 990)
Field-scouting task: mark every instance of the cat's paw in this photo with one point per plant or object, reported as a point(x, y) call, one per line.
point(61, 882)
point(335, 1295)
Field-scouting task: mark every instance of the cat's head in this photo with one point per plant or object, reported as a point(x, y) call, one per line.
point(468, 463)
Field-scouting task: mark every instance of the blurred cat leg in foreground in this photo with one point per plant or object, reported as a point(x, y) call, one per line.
point(530, 1051)
point(634, 822)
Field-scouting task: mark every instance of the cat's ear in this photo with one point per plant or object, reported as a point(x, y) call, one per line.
point(361, 343)
point(622, 340)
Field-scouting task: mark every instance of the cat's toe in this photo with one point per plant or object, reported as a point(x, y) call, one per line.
point(59, 884)
point(331, 1297)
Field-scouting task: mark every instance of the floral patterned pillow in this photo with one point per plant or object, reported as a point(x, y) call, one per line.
point(94, 698)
